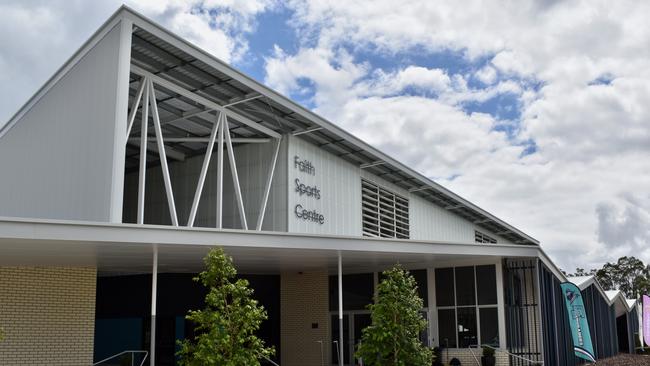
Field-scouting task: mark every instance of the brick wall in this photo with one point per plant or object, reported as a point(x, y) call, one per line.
point(304, 300)
point(48, 315)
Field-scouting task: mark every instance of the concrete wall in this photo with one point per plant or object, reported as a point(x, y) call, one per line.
point(57, 161)
point(48, 315)
point(304, 301)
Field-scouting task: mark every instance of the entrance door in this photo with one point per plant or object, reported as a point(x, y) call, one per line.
point(353, 324)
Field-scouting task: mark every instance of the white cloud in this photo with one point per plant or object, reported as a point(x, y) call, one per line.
point(37, 37)
point(592, 139)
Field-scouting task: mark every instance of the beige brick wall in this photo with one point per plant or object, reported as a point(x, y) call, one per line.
point(304, 300)
point(48, 315)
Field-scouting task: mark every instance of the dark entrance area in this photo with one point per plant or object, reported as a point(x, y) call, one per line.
point(622, 333)
point(123, 313)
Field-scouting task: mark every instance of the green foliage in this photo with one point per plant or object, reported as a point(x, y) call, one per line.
point(226, 326)
point(628, 274)
point(488, 352)
point(393, 338)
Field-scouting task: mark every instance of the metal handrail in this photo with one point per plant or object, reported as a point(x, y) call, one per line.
point(146, 354)
point(473, 355)
point(270, 360)
point(532, 362)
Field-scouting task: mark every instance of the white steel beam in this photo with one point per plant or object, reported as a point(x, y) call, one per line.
point(340, 280)
point(154, 301)
point(201, 100)
point(240, 140)
point(374, 163)
point(243, 100)
point(220, 153)
point(235, 177)
point(267, 188)
point(143, 153)
point(163, 157)
point(204, 171)
point(309, 130)
point(136, 104)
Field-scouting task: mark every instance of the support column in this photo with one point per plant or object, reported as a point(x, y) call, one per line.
point(340, 277)
point(154, 300)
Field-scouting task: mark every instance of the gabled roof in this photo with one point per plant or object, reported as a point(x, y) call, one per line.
point(158, 51)
point(611, 296)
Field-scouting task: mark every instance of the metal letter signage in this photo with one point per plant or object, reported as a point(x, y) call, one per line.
point(646, 319)
point(582, 346)
point(309, 191)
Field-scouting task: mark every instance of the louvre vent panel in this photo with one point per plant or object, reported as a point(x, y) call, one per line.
point(384, 214)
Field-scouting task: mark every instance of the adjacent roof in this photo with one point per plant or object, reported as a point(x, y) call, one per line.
point(160, 52)
point(610, 295)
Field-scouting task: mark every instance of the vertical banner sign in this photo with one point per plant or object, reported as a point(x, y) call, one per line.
point(578, 321)
point(646, 319)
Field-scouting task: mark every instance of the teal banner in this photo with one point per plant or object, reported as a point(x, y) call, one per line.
point(578, 321)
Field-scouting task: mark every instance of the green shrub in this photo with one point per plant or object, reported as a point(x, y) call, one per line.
point(393, 338)
point(226, 327)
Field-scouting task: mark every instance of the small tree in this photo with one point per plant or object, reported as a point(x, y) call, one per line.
point(393, 338)
point(226, 326)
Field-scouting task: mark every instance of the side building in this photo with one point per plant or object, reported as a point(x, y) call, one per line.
point(143, 151)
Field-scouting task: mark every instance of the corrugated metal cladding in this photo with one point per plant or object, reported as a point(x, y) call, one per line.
point(253, 164)
point(339, 191)
point(339, 185)
point(57, 160)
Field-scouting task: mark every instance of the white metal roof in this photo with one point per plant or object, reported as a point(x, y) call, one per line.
point(158, 51)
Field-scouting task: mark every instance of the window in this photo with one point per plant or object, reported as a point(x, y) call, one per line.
point(384, 214)
point(479, 237)
point(466, 301)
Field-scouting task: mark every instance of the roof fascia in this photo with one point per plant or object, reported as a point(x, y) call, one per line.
point(80, 231)
point(170, 37)
point(99, 34)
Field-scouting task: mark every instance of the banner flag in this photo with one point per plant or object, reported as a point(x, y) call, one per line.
point(646, 319)
point(582, 346)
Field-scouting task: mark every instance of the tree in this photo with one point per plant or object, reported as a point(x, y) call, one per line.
point(226, 326)
point(393, 338)
point(628, 274)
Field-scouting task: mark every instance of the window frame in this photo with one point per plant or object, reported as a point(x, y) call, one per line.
point(476, 306)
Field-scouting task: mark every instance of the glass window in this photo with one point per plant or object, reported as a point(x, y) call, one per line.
point(462, 294)
point(420, 276)
point(466, 327)
point(445, 287)
point(447, 327)
point(489, 326)
point(465, 294)
point(486, 284)
point(358, 290)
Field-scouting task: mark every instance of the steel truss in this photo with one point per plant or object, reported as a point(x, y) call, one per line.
point(145, 100)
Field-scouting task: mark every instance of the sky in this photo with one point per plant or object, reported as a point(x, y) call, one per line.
point(537, 111)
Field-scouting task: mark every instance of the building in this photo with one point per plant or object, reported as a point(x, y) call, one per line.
point(105, 219)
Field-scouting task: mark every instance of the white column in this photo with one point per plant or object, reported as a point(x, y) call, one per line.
point(154, 299)
point(433, 311)
point(341, 348)
point(220, 171)
point(501, 305)
point(143, 153)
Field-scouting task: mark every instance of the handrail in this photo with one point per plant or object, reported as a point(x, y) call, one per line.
point(146, 354)
point(270, 360)
point(473, 355)
point(533, 362)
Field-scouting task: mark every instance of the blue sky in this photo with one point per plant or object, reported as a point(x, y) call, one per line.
point(536, 111)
